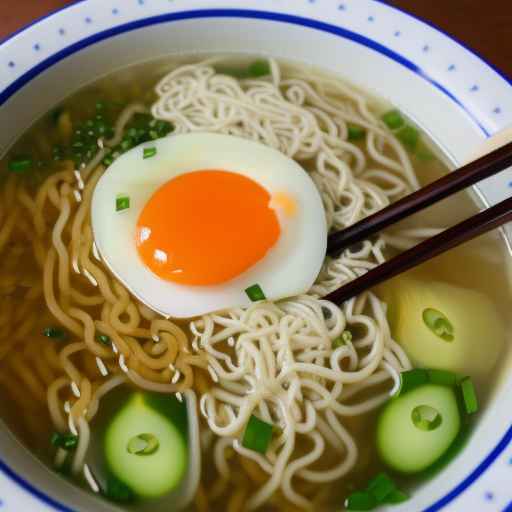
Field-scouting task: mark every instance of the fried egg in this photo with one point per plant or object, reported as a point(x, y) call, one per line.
point(190, 223)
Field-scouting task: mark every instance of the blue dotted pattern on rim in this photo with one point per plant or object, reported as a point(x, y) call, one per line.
point(342, 7)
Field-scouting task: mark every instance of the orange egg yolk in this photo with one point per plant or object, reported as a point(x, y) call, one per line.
point(206, 227)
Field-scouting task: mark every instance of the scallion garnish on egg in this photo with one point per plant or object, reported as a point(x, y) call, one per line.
point(149, 152)
point(122, 203)
point(255, 293)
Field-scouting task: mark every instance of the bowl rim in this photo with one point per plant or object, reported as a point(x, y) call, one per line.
point(267, 15)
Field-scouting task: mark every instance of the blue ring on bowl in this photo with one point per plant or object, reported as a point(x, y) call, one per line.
point(232, 13)
point(270, 16)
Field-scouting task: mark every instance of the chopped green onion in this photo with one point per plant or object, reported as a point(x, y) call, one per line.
point(122, 203)
point(149, 152)
point(469, 395)
point(393, 119)
point(442, 377)
point(346, 335)
point(102, 129)
point(255, 293)
point(126, 143)
point(55, 332)
point(381, 487)
point(355, 132)
point(344, 338)
point(163, 128)
point(257, 435)
point(100, 105)
point(143, 444)
point(360, 500)
point(117, 491)
point(258, 69)
point(380, 490)
point(104, 339)
point(20, 164)
point(438, 323)
point(411, 379)
point(65, 441)
point(397, 496)
point(108, 160)
point(426, 418)
point(409, 136)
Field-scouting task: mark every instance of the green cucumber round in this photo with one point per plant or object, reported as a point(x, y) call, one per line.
point(145, 447)
point(417, 428)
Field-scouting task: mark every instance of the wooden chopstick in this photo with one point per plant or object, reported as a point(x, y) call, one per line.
point(466, 230)
point(456, 181)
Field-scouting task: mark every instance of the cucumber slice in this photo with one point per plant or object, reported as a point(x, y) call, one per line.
point(145, 444)
point(416, 429)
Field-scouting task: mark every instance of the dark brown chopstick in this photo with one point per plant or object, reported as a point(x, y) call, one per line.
point(468, 175)
point(466, 230)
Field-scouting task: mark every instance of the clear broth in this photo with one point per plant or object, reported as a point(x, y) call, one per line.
point(488, 254)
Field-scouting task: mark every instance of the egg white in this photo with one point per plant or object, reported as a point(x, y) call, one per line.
point(288, 269)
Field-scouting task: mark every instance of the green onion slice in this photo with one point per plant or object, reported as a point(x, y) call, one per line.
point(257, 435)
point(438, 323)
point(360, 500)
point(20, 164)
point(104, 339)
point(255, 293)
point(412, 379)
point(397, 496)
point(258, 69)
point(355, 132)
point(143, 444)
point(442, 377)
point(381, 487)
point(117, 491)
point(149, 152)
point(122, 203)
point(65, 441)
point(426, 417)
point(55, 333)
point(409, 136)
point(344, 338)
point(393, 119)
point(469, 395)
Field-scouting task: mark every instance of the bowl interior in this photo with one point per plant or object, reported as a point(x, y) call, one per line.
point(453, 126)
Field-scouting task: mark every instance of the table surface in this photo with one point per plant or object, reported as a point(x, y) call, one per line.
point(485, 30)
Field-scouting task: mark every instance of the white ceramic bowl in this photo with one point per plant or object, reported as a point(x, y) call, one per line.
point(448, 90)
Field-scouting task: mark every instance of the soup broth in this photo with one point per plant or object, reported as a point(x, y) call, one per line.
point(75, 344)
